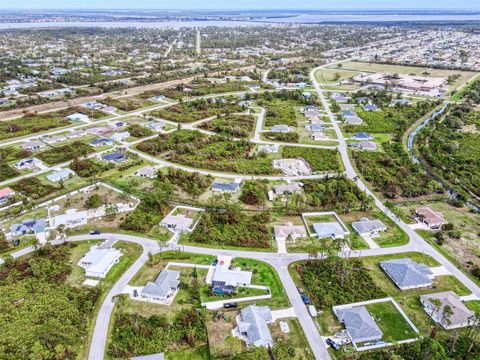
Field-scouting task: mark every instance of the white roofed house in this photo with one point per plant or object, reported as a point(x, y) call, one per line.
point(77, 117)
point(281, 128)
point(60, 175)
point(70, 219)
point(282, 232)
point(329, 229)
point(120, 136)
point(282, 189)
point(98, 262)
point(33, 145)
point(164, 286)
point(457, 315)
point(252, 326)
point(177, 223)
point(366, 227)
point(226, 280)
point(147, 172)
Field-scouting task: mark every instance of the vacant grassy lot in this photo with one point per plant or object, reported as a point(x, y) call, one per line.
point(318, 159)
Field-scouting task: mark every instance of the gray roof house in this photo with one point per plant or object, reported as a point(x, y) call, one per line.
point(223, 187)
point(368, 227)
point(253, 324)
point(165, 284)
point(460, 316)
point(407, 274)
point(29, 227)
point(281, 128)
point(159, 356)
point(60, 175)
point(226, 281)
point(360, 325)
point(329, 229)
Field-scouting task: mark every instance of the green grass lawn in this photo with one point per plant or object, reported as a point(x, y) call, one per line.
point(391, 322)
point(264, 274)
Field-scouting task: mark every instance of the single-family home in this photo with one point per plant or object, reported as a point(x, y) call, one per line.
point(331, 229)
point(117, 157)
point(94, 105)
point(339, 97)
point(54, 139)
point(366, 227)
point(407, 274)
point(6, 194)
point(311, 113)
point(101, 142)
point(353, 120)
point(33, 145)
point(37, 226)
point(365, 145)
point(269, 149)
point(252, 324)
point(360, 325)
point(362, 136)
point(147, 172)
point(226, 280)
point(460, 315)
point(28, 164)
point(158, 97)
point(70, 219)
point(120, 136)
point(156, 126)
point(226, 187)
point(164, 286)
point(282, 232)
point(281, 129)
point(77, 117)
point(347, 107)
point(347, 114)
point(117, 124)
point(370, 107)
point(60, 175)
point(433, 219)
point(177, 223)
point(314, 127)
point(98, 262)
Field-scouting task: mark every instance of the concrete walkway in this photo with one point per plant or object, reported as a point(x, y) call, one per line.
point(283, 313)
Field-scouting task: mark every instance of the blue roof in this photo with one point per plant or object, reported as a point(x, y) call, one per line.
point(116, 156)
point(370, 107)
point(229, 187)
point(362, 135)
point(349, 113)
point(101, 141)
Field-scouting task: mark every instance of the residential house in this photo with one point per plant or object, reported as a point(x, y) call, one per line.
point(460, 316)
point(54, 139)
point(33, 145)
point(353, 120)
point(315, 127)
point(156, 126)
point(318, 136)
point(70, 219)
point(365, 145)
point(101, 142)
point(117, 157)
point(362, 136)
point(331, 229)
point(94, 105)
point(147, 172)
point(366, 227)
point(60, 175)
point(5, 195)
point(360, 325)
point(282, 232)
point(270, 149)
point(28, 164)
point(98, 262)
point(347, 107)
point(78, 117)
point(223, 187)
point(407, 274)
point(164, 286)
point(290, 188)
point(120, 136)
point(281, 129)
point(339, 97)
point(158, 97)
point(252, 323)
point(177, 223)
point(226, 280)
point(433, 219)
point(27, 227)
point(370, 107)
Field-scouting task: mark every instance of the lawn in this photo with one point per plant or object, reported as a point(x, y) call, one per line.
point(318, 159)
point(239, 126)
point(330, 76)
point(391, 322)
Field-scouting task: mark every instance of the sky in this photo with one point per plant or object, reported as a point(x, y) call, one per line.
point(240, 4)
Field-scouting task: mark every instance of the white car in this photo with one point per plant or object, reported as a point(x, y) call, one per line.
point(284, 327)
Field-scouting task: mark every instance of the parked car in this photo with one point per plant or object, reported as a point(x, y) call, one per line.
point(312, 311)
point(215, 262)
point(95, 232)
point(300, 290)
point(233, 305)
point(16, 242)
point(332, 343)
point(305, 299)
point(135, 293)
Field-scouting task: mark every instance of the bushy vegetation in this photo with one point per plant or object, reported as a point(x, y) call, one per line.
point(42, 316)
point(392, 172)
point(254, 192)
point(239, 126)
point(280, 107)
point(87, 168)
point(195, 110)
point(127, 103)
point(192, 183)
point(6, 171)
point(57, 155)
point(33, 188)
point(451, 148)
point(339, 194)
point(292, 137)
point(229, 226)
point(136, 335)
point(31, 124)
point(319, 159)
point(138, 131)
point(201, 151)
point(335, 281)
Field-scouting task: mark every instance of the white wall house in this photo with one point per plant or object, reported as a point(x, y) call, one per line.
point(98, 262)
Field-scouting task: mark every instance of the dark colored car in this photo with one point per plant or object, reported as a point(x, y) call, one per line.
point(95, 232)
point(16, 242)
point(135, 293)
point(230, 305)
point(332, 343)
point(215, 262)
point(305, 299)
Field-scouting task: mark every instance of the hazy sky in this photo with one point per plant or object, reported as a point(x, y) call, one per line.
point(241, 4)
